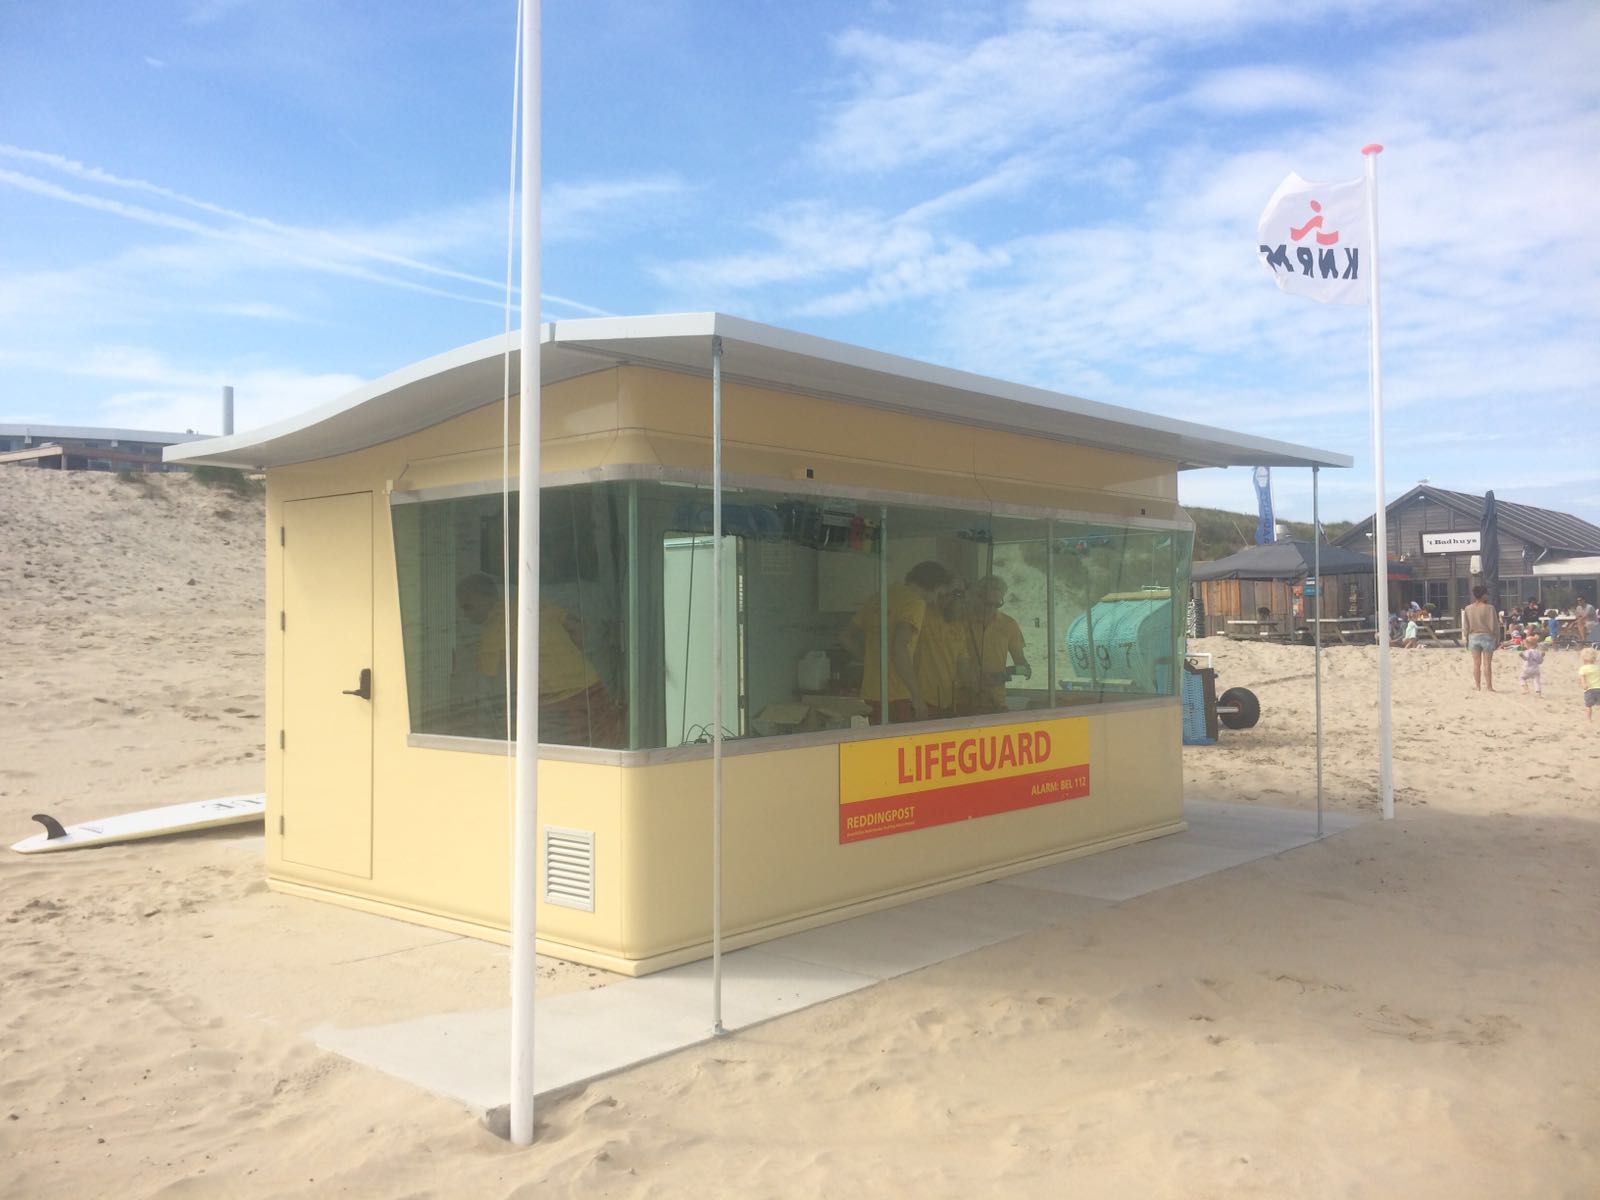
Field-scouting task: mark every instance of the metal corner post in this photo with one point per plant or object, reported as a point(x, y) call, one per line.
point(716, 686)
point(1316, 625)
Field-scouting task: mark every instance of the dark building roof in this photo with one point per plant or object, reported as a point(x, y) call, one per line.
point(1290, 559)
point(1541, 527)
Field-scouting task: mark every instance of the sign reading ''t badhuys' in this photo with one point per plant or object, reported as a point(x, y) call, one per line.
point(899, 784)
point(1465, 542)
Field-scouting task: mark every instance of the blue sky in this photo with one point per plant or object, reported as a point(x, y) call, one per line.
point(294, 196)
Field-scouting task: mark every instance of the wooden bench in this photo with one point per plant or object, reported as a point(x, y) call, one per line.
point(1342, 629)
point(1254, 630)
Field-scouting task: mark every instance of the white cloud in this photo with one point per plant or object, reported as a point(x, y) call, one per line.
point(280, 246)
point(1261, 89)
point(259, 311)
point(570, 212)
point(1277, 20)
point(147, 390)
point(895, 257)
point(914, 101)
point(928, 273)
point(603, 207)
point(209, 12)
point(192, 400)
point(330, 249)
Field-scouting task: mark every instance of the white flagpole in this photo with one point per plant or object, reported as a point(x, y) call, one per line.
point(525, 822)
point(1380, 517)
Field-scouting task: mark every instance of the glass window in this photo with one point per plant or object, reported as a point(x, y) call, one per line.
point(837, 613)
point(453, 610)
point(913, 629)
point(1115, 592)
point(1018, 574)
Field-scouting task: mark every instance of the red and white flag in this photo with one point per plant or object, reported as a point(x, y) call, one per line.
point(1314, 239)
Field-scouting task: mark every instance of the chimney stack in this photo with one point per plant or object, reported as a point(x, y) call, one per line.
point(227, 411)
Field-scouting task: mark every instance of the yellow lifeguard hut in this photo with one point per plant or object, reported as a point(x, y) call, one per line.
point(387, 767)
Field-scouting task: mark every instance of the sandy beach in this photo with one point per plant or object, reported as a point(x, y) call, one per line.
point(1405, 1009)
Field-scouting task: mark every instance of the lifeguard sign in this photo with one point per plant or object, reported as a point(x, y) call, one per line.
point(900, 784)
point(1465, 542)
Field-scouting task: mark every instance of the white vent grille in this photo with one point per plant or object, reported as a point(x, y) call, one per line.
point(569, 867)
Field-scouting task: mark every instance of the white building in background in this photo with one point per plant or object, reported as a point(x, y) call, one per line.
point(85, 448)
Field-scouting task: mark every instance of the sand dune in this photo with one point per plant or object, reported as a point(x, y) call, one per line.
point(1402, 1010)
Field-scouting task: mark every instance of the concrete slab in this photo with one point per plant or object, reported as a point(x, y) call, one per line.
point(897, 940)
point(1242, 824)
point(1122, 874)
point(463, 1056)
point(584, 1035)
point(1219, 836)
point(757, 984)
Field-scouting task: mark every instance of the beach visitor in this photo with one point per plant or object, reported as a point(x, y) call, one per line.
point(575, 709)
point(908, 604)
point(1532, 656)
point(1481, 624)
point(992, 637)
point(1589, 675)
point(941, 657)
point(1410, 640)
point(1582, 614)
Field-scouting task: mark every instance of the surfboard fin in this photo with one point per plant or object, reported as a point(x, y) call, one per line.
point(52, 827)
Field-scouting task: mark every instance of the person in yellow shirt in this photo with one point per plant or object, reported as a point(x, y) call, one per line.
point(908, 609)
point(1589, 676)
point(992, 637)
point(941, 650)
point(574, 707)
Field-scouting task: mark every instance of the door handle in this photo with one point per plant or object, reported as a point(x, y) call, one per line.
point(362, 689)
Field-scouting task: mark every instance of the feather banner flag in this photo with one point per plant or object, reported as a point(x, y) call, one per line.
point(1266, 525)
point(1314, 239)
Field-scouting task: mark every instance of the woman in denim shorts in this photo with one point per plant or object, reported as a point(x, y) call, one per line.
point(1482, 626)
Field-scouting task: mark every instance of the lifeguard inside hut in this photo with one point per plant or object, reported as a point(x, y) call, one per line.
point(844, 471)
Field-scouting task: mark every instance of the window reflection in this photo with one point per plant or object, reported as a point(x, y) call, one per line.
point(836, 613)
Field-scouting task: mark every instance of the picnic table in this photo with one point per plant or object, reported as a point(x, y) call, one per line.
point(1438, 631)
point(1353, 630)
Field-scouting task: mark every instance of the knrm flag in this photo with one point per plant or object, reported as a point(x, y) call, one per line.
point(1314, 239)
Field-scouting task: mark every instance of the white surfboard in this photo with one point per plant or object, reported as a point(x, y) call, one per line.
point(151, 822)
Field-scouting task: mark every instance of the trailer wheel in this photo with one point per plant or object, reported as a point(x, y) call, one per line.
point(1238, 708)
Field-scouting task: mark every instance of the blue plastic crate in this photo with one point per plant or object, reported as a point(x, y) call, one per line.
point(1194, 712)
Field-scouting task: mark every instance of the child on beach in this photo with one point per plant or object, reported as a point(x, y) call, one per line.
point(1532, 656)
point(1410, 640)
point(1589, 673)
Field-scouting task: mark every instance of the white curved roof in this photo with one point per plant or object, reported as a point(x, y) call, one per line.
point(447, 385)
